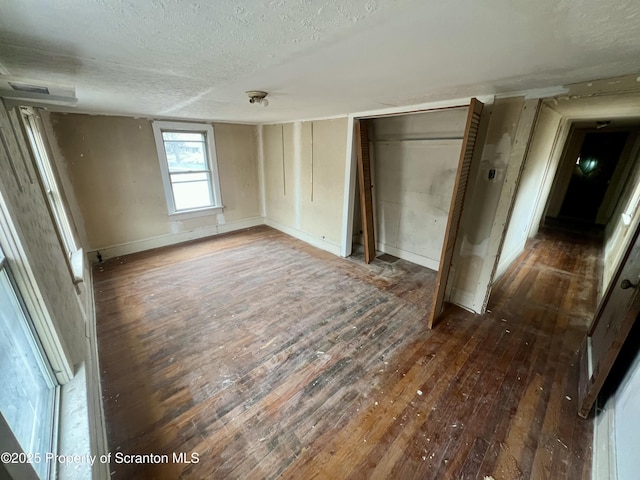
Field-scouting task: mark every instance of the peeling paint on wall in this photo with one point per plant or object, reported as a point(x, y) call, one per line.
point(478, 237)
point(116, 178)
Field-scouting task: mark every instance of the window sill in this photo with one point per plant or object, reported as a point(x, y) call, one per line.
point(196, 213)
point(77, 266)
point(74, 436)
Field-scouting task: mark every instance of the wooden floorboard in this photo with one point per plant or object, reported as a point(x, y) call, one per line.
point(269, 358)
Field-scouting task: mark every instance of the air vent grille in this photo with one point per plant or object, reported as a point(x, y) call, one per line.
point(23, 87)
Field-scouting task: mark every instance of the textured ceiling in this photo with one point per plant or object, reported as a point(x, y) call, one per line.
point(195, 58)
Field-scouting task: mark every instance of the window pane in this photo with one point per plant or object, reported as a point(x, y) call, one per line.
point(192, 194)
point(27, 395)
point(188, 165)
point(185, 151)
point(183, 136)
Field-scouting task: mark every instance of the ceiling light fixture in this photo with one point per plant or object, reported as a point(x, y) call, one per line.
point(257, 96)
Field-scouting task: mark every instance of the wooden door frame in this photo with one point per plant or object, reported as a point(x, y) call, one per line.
point(365, 184)
point(354, 167)
point(350, 176)
point(593, 376)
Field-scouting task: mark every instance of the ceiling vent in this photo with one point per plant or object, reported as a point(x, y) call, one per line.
point(29, 92)
point(23, 87)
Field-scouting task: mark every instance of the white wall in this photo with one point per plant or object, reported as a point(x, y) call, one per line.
point(304, 171)
point(627, 423)
point(529, 194)
point(415, 159)
point(508, 124)
point(618, 232)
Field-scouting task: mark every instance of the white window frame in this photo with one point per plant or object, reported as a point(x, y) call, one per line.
point(214, 179)
point(35, 137)
point(8, 441)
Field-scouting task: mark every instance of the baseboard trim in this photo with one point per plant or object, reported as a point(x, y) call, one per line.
point(305, 237)
point(503, 266)
point(462, 299)
point(409, 256)
point(95, 407)
point(603, 464)
point(173, 238)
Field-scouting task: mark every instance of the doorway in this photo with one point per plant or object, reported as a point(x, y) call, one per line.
point(590, 178)
point(598, 158)
point(419, 179)
point(592, 169)
point(577, 178)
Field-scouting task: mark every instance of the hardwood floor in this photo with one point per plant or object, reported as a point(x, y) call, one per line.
point(271, 359)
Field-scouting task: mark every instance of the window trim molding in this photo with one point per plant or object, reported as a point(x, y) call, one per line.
point(26, 284)
point(48, 178)
point(45, 170)
point(206, 128)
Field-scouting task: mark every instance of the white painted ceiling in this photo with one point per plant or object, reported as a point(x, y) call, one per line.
point(196, 58)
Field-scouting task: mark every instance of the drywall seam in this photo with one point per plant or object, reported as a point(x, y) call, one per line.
point(311, 161)
point(297, 167)
point(261, 177)
point(305, 237)
point(284, 162)
point(172, 239)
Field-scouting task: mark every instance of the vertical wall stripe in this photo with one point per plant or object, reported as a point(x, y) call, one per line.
point(297, 172)
point(261, 176)
point(284, 172)
point(312, 161)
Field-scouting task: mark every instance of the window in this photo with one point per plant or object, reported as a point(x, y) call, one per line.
point(189, 168)
point(36, 140)
point(29, 394)
point(75, 256)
